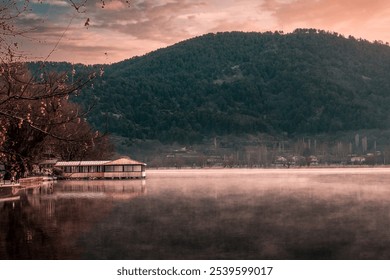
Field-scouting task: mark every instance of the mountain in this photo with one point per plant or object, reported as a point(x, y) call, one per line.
point(303, 83)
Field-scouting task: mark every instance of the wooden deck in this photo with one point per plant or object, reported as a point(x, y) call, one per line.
point(11, 198)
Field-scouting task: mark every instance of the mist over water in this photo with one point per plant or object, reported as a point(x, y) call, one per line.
point(204, 214)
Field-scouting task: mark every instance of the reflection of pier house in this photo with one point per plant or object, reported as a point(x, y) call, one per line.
point(122, 168)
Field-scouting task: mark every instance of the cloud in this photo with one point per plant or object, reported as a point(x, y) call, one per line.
point(153, 20)
point(62, 3)
point(113, 5)
point(361, 17)
point(243, 15)
point(147, 25)
point(58, 3)
point(174, 20)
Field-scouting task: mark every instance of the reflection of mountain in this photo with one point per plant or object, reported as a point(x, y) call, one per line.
point(47, 221)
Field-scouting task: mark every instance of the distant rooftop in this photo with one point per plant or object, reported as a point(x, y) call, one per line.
point(49, 161)
point(124, 161)
point(81, 163)
point(121, 161)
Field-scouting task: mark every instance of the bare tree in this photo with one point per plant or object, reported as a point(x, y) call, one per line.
point(35, 111)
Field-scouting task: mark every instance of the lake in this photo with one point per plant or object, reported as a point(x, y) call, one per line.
point(203, 214)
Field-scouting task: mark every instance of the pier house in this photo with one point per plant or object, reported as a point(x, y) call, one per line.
point(123, 168)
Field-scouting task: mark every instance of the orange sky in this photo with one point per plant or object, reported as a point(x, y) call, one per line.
point(117, 32)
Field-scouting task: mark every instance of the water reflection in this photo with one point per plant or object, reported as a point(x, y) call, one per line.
point(204, 214)
point(8, 193)
point(43, 222)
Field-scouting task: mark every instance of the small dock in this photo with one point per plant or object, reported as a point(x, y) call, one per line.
point(9, 192)
point(11, 198)
point(25, 182)
point(30, 181)
point(8, 184)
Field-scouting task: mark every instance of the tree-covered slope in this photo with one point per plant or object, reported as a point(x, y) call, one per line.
point(305, 82)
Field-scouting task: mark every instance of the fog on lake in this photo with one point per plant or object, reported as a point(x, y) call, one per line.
point(203, 214)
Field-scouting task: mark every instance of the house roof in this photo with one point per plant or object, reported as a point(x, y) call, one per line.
point(49, 161)
point(81, 163)
point(121, 161)
point(124, 161)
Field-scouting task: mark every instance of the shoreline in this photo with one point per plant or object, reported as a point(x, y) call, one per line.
point(274, 167)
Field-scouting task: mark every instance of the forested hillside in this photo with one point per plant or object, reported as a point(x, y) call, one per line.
point(306, 82)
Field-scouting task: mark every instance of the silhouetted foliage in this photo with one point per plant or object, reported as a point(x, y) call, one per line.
point(36, 117)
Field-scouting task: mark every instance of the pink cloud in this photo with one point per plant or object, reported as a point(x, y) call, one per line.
point(150, 24)
point(114, 5)
point(351, 17)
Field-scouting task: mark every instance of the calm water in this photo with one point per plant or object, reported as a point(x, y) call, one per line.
point(203, 214)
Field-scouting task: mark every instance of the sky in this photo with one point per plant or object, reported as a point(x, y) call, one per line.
point(118, 31)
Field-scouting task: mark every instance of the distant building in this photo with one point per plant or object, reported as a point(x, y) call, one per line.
point(123, 168)
point(312, 160)
point(358, 160)
point(281, 161)
point(46, 166)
